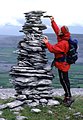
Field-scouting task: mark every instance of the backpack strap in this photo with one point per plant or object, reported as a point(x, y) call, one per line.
point(60, 59)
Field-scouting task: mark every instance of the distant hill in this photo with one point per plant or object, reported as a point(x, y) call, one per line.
point(14, 39)
point(10, 30)
point(11, 41)
point(8, 58)
point(14, 30)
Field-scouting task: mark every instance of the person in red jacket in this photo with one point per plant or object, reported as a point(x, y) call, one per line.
point(60, 50)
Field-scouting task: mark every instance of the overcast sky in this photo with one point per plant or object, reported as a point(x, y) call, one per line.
point(65, 12)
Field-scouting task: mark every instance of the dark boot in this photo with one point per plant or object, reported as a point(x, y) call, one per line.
point(68, 101)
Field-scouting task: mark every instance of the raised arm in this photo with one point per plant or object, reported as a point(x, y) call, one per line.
point(54, 26)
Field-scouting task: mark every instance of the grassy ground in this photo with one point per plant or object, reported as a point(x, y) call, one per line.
point(58, 112)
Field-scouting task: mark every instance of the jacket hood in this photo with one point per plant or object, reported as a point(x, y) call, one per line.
point(64, 29)
point(65, 36)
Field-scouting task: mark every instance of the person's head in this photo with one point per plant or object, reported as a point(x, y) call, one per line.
point(63, 30)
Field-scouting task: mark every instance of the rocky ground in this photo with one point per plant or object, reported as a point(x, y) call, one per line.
point(9, 92)
point(15, 105)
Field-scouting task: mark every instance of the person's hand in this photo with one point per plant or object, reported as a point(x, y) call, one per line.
point(45, 40)
point(52, 18)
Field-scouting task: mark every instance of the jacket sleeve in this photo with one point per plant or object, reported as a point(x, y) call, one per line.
point(55, 27)
point(57, 48)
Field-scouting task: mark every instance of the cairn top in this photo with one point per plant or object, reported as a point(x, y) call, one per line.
point(35, 12)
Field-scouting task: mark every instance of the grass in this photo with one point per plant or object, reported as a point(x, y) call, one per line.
point(7, 55)
point(4, 80)
point(7, 114)
point(58, 112)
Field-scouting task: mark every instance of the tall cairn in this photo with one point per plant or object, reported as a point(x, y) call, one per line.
point(32, 77)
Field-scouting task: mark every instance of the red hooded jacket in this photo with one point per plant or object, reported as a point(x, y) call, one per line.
point(61, 46)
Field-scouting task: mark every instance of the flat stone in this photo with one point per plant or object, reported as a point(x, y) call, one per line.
point(68, 118)
point(24, 63)
point(43, 101)
point(34, 96)
point(33, 21)
point(50, 112)
point(35, 12)
point(18, 67)
point(33, 60)
point(41, 26)
point(7, 93)
point(45, 82)
point(37, 56)
point(35, 44)
point(32, 75)
point(46, 92)
point(46, 95)
point(47, 68)
point(77, 114)
point(35, 92)
point(14, 104)
point(21, 118)
point(21, 97)
point(31, 48)
point(32, 84)
point(33, 104)
point(28, 101)
point(35, 110)
point(39, 65)
point(53, 102)
point(37, 35)
point(44, 88)
point(1, 112)
point(81, 116)
point(25, 84)
point(30, 71)
point(26, 80)
point(3, 119)
point(21, 52)
point(16, 113)
point(17, 109)
point(3, 106)
point(27, 92)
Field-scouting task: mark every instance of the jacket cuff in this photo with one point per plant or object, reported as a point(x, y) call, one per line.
point(52, 21)
point(47, 44)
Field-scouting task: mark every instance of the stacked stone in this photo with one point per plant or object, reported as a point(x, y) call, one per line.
point(31, 76)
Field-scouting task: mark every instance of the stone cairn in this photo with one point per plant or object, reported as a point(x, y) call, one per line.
point(32, 77)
